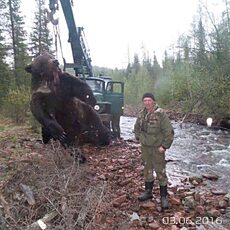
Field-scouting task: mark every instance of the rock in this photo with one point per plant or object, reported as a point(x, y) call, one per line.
point(195, 179)
point(213, 213)
point(208, 202)
point(119, 200)
point(175, 201)
point(210, 176)
point(143, 218)
point(158, 208)
point(227, 198)
point(149, 205)
point(190, 193)
point(197, 196)
point(218, 192)
point(154, 225)
point(174, 227)
point(222, 204)
point(222, 211)
point(181, 189)
point(178, 216)
point(200, 210)
point(189, 202)
point(125, 182)
point(135, 207)
point(150, 219)
point(194, 182)
point(202, 200)
point(122, 161)
point(171, 193)
point(134, 216)
point(102, 177)
point(110, 167)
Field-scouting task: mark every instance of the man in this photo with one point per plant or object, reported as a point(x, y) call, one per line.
point(154, 131)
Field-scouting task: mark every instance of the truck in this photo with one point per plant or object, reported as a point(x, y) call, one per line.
point(109, 93)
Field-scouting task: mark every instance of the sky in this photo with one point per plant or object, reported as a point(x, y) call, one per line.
point(117, 29)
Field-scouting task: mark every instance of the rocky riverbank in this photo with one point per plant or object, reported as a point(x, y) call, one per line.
point(101, 194)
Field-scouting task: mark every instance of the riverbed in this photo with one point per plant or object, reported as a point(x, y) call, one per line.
point(196, 150)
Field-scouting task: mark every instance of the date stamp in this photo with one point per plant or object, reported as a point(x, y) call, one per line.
point(167, 220)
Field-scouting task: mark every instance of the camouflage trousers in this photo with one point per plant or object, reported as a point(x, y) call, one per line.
point(154, 161)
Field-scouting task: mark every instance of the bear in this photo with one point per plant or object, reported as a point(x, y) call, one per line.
point(62, 104)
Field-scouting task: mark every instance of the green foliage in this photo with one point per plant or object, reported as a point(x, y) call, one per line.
point(5, 79)
point(16, 37)
point(16, 104)
point(40, 38)
point(195, 77)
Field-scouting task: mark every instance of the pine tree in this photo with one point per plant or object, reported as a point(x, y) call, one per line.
point(17, 48)
point(41, 41)
point(200, 45)
point(4, 69)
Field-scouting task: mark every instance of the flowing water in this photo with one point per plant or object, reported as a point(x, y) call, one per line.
point(196, 150)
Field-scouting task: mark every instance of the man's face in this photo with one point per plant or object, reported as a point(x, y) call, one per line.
point(148, 103)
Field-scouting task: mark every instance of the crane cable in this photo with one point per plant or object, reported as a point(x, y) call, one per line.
point(56, 29)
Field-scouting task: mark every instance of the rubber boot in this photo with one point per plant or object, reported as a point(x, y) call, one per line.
point(147, 194)
point(164, 197)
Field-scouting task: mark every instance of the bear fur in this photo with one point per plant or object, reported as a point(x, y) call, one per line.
point(62, 103)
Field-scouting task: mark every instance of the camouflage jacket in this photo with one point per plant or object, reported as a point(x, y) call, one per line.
point(154, 128)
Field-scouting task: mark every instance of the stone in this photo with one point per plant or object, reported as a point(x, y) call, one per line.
point(174, 227)
point(175, 201)
point(125, 182)
point(222, 204)
point(189, 202)
point(119, 200)
point(154, 225)
point(213, 213)
point(150, 219)
point(210, 176)
point(200, 210)
point(196, 179)
point(218, 192)
point(149, 205)
point(102, 177)
point(189, 193)
point(197, 196)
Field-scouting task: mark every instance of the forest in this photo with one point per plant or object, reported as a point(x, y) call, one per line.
point(193, 76)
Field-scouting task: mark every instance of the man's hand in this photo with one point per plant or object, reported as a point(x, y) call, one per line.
point(161, 149)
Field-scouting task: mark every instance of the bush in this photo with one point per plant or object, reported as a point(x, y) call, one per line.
point(16, 104)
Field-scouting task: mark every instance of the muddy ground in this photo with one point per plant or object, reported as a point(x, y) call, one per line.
point(47, 183)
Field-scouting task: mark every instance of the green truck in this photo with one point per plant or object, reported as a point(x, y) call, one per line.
point(110, 101)
point(109, 93)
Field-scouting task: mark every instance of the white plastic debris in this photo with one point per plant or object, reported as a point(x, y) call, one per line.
point(41, 224)
point(209, 122)
point(134, 216)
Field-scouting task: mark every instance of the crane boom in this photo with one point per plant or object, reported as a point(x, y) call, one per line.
point(81, 57)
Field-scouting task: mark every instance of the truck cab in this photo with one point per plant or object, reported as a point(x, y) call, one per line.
point(110, 100)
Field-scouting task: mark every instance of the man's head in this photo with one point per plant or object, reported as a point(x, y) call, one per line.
point(148, 100)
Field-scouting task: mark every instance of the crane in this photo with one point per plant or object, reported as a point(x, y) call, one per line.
point(81, 56)
point(109, 93)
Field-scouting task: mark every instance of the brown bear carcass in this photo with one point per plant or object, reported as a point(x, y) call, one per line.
point(62, 103)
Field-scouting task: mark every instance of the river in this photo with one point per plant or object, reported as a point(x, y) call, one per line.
point(196, 150)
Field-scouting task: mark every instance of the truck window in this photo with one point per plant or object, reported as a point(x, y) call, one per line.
point(95, 85)
point(114, 87)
